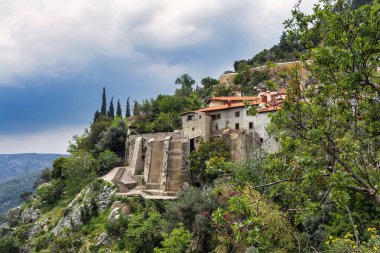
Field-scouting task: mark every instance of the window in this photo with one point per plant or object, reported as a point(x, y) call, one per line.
point(190, 117)
point(237, 114)
point(237, 126)
point(193, 129)
point(200, 116)
point(216, 126)
point(250, 125)
point(216, 116)
point(261, 140)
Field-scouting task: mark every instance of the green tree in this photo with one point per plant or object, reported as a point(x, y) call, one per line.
point(103, 110)
point(136, 109)
point(111, 110)
point(107, 160)
point(186, 83)
point(330, 129)
point(193, 208)
point(96, 116)
point(119, 113)
point(113, 138)
point(144, 231)
point(178, 241)
point(128, 109)
point(197, 174)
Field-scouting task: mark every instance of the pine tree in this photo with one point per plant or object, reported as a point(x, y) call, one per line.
point(111, 109)
point(136, 109)
point(128, 109)
point(119, 113)
point(103, 110)
point(96, 116)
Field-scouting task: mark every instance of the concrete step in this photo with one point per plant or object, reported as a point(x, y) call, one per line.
point(151, 186)
point(119, 173)
point(160, 193)
point(138, 179)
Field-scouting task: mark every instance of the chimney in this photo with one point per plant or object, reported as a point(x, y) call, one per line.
point(264, 98)
point(229, 103)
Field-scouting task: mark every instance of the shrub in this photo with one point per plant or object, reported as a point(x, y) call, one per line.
point(106, 161)
point(118, 227)
point(197, 173)
point(9, 245)
point(178, 241)
point(49, 193)
point(144, 231)
point(193, 208)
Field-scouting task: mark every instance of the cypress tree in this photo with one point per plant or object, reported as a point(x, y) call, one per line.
point(119, 113)
point(136, 109)
point(111, 109)
point(96, 116)
point(103, 110)
point(128, 109)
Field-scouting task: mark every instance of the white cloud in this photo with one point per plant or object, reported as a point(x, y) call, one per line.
point(51, 141)
point(58, 37)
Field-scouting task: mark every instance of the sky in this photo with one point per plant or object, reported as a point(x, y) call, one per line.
point(55, 56)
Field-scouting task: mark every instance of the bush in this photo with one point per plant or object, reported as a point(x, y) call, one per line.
point(49, 193)
point(118, 227)
point(106, 161)
point(193, 208)
point(144, 231)
point(197, 174)
point(178, 241)
point(43, 242)
point(9, 245)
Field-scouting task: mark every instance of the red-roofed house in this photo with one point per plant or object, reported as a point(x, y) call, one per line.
point(228, 115)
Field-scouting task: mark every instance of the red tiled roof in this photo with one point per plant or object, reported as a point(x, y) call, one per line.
point(271, 108)
point(248, 98)
point(220, 107)
point(252, 100)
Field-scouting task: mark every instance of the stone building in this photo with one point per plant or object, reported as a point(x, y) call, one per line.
point(156, 161)
point(228, 117)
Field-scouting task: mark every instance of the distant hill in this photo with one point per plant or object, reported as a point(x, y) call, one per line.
point(13, 166)
point(18, 172)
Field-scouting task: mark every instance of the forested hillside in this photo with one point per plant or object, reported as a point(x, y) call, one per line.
point(318, 193)
point(15, 165)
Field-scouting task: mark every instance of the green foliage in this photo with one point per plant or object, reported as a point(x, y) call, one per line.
point(58, 164)
point(246, 219)
point(106, 161)
point(193, 209)
point(111, 110)
point(223, 91)
point(144, 231)
point(249, 79)
point(66, 242)
point(119, 113)
point(49, 193)
point(117, 228)
point(128, 109)
point(113, 138)
point(178, 241)
point(187, 84)
point(197, 173)
point(79, 170)
point(103, 110)
point(9, 245)
point(43, 242)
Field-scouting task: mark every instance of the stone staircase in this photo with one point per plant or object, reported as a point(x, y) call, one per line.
point(174, 172)
point(160, 160)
